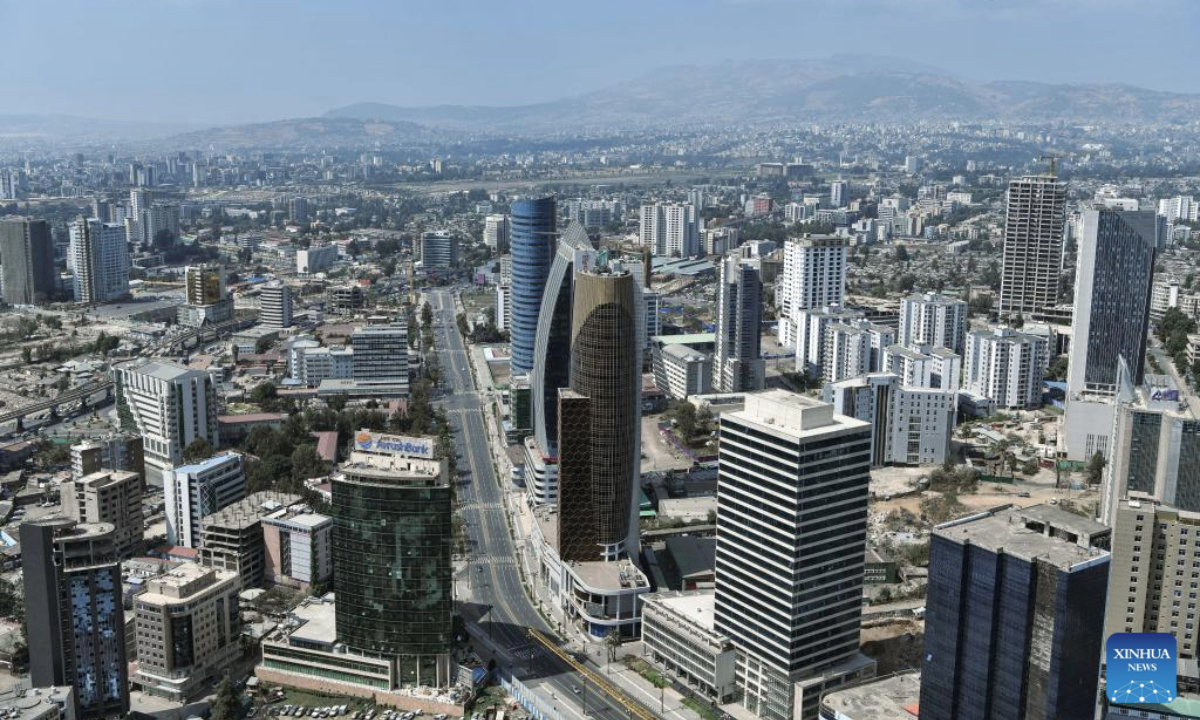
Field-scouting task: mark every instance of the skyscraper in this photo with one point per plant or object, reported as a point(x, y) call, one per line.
point(737, 362)
point(1112, 298)
point(934, 320)
point(27, 252)
point(99, 256)
point(814, 276)
point(194, 490)
point(532, 233)
point(1033, 244)
point(439, 250)
point(495, 232)
point(391, 547)
point(74, 614)
point(276, 305)
point(671, 229)
point(792, 493)
point(599, 420)
point(1014, 625)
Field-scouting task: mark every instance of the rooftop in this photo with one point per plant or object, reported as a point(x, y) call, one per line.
point(208, 464)
point(164, 370)
point(696, 606)
point(683, 352)
point(318, 624)
point(892, 698)
point(250, 509)
point(1005, 531)
point(793, 413)
point(23, 702)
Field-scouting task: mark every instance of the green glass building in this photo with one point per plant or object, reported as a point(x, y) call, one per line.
point(391, 551)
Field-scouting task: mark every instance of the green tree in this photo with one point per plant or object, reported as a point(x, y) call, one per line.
point(1095, 468)
point(426, 315)
point(197, 450)
point(612, 642)
point(227, 705)
point(306, 463)
point(684, 415)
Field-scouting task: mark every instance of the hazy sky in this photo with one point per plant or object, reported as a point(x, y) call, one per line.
point(241, 60)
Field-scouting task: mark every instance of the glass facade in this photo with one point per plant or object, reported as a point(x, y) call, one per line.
point(1143, 451)
point(392, 543)
point(532, 238)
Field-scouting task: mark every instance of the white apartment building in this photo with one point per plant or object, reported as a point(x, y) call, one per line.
point(503, 307)
point(854, 348)
point(808, 331)
point(99, 257)
point(671, 230)
point(198, 489)
point(316, 259)
point(934, 320)
point(684, 372)
point(814, 276)
point(910, 425)
point(1005, 366)
point(921, 366)
point(276, 305)
point(495, 231)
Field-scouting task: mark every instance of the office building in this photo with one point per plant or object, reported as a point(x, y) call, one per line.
point(232, 538)
point(1013, 623)
point(113, 497)
point(838, 192)
point(652, 302)
point(814, 276)
point(790, 572)
point(199, 489)
point(439, 250)
point(381, 357)
point(1112, 299)
point(678, 636)
point(298, 210)
point(681, 371)
point(934, 320)
point(1033, 245)
point(495, 232)
point(909, 425)
point(737, 362)
point(316, 259)
point(118, 451)
point(27, 253)
point(276, 305)
point(169, 406)
point(1006, 367)
point(189, 631)
point(599, 419)
point(299, 548)
point(533, 234)
point(391, 547)
point(671, 230)
point(75, 618)
point(99, 257)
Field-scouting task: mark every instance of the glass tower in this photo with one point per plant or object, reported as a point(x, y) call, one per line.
point(532, 239)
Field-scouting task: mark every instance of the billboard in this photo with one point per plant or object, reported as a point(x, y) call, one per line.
point(408, 446)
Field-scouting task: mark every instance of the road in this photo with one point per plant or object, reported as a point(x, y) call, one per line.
point(495, 578)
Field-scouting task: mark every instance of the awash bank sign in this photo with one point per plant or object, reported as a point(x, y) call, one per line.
point(421, 447)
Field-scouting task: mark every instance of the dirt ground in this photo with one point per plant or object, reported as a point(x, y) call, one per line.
point(659, 455)
point(897, 645)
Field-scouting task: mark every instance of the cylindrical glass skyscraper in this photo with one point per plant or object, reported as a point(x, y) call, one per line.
point(532, 238)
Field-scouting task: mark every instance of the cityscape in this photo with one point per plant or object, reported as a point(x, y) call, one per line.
point(356, 368)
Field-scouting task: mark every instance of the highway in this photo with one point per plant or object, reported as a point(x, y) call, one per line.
point(495, 578)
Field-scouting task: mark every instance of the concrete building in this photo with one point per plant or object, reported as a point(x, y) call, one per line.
point(683, 371)
point(344, 299)
point(737, 363)
point(276, 306)
point(1033, 245)
point(672, 230)
point(909, 425)
point(809, 330)
point(814, 277)
point(27, 252)
point(853, 348)
point(789, 580)
point(934, 320)
point(199, 489)
point(1005, 366)
point(316, 259)
point(204, 284)
point(99, 257)
point(381, 355)
point(118, 451)
point(189, 631)
point(1009, 592)
point(169, 406)
point(679, 637)
point(232, 538)
point(75, 618)
point(891, 698)
point(40, 703)
point(298, 210)
point(439, 250)
point(113, 497)
point(299, 549)
point(921, 366)
point(495, 232)
point(503, 307)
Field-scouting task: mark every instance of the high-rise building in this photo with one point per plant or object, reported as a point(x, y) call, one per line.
point(119, 451)
point(1033, 245)
point(316, 258)
point(495, 232)
point(113, 497)
point(1006, 367)
point(299, 548)
point(1013, 623)
point(737, 363)
point(909, 425)
point(598, 420)
point(198, 489)
point(439, 250)
point(159, 218)
point(99, 257)
point(204, 284)
point(671, 229)
point(75, 617)
point(391, 547)
point(853, 348)
point(189, 630)
point(934, 320)
point(503, 307)
point(298, 210)
point(814, 276)
point(276, 308)
point(1112, 299)
point(789, 570)
point(533, 233)
point(838, 190)
point(169, 406)
point(381, 354)
point(27, 252)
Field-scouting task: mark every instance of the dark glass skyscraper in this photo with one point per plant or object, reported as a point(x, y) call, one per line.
point(27, 252)
point(534, 229)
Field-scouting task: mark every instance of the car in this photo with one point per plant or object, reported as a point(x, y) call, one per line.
point(575, 689)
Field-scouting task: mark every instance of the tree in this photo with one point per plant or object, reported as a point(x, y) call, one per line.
point(227, 705)
point(1095, 468)
point(306, 463)
point(612, 642)
point(684, 414)
point(1058, 369)
point(197, 450)
point(901, 253)
point(426, 315)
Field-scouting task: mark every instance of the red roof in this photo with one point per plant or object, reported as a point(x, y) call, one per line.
point(327, 441)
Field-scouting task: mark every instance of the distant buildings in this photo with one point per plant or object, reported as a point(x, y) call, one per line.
point(1033, 245)
point(276, 305)
point(206, 300)
point(99, 257)
point(198, 489)
point(737, 362)
point(27, 252)
point(1006, 367)
point(1013, 622)
point(316, 259)
point(672, 230)
point(789, 581)
point(298, 210)
point(533, 235)
point(934, 320)
point(169, 406)
point(495, 232)
point(113, 497)
point(75, 616)
point(439, 250)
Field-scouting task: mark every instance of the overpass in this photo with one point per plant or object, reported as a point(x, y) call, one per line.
point(82, 395)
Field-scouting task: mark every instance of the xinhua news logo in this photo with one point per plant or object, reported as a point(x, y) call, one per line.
point(1140, 668)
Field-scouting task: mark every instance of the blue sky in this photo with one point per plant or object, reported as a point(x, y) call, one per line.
point(244, 60)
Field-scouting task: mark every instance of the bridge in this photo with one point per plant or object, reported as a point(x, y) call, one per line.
point(81, 395)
